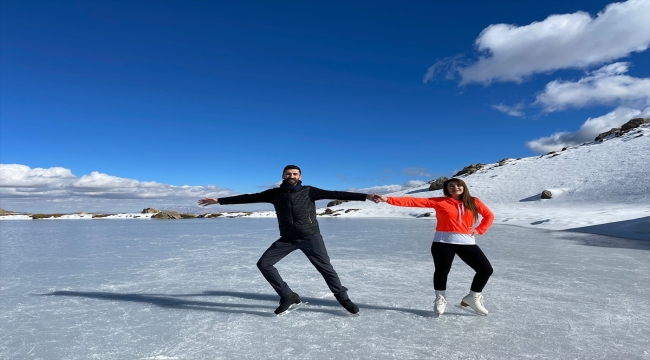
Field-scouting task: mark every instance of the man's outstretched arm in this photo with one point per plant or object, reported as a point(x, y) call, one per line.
point(264, 196)
point(320, 194)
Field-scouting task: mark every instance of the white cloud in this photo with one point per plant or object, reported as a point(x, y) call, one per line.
point(568, 41)
point(414, 183)
point(448, 66)
point(270, 185)
point(605, 86)
point(511, 110)
point(15, 175)
point(56, 183)
point(588, 131)
point(382, 189)
point(386, 189)
point(415, 171)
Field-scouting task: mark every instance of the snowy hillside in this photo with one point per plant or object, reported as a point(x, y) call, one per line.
point(600, 187)
point(596, 183)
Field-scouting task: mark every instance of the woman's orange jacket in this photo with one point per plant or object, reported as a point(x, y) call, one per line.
point(451, 214)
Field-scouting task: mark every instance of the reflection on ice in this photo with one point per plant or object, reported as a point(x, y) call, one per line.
point(603, 241)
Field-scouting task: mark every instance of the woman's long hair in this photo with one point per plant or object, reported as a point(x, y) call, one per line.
point(465, 197)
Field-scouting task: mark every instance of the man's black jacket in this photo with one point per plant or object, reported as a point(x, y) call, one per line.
point(295, 209)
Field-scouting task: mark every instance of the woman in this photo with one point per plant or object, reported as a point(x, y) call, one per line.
point(456, 212)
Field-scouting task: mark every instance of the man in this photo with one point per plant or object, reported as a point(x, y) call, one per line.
point(296, 213)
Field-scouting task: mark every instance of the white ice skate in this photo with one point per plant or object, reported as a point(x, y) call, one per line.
point(475, 301)
point(440, 305)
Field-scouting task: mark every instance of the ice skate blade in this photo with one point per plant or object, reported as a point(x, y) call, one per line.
point(293, 308)
point(470, 310)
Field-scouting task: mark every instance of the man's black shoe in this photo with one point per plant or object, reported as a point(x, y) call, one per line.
point(349, 306)
point(286, 302)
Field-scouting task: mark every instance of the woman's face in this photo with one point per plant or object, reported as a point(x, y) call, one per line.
point(455, 189)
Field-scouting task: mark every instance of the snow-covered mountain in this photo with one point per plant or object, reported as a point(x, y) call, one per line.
point(602, 182)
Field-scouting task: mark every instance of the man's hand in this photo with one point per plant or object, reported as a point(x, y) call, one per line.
point(208, 201)
point(373, 197)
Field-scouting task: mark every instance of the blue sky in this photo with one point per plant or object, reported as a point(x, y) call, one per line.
point(360, 95)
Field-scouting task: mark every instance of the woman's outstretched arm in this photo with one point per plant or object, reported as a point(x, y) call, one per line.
point(407, 201)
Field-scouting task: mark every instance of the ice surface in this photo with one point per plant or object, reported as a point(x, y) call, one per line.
point(190, 289)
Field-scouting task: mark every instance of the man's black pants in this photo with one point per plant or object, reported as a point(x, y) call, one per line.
point(314, 248)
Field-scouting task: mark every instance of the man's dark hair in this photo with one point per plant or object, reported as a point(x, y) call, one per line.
point(292, 167)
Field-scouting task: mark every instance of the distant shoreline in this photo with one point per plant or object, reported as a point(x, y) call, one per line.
point(633, 229)
point(87, 216)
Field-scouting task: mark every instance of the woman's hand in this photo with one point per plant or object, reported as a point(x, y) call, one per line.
point(382, 198)
point(473, 232)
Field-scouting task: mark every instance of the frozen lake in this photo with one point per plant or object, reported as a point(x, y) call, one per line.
point(189, 289)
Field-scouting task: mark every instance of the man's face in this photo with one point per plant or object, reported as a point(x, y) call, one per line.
point(291, 176)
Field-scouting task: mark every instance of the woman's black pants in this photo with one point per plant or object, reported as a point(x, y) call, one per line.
point(443, 255)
